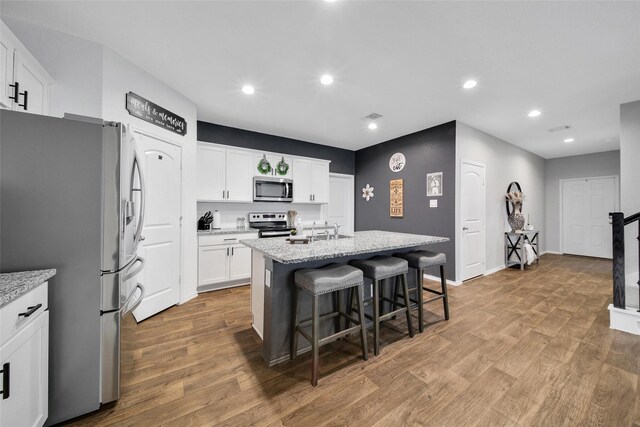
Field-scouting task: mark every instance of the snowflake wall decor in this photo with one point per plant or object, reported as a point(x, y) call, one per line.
point(367, 192)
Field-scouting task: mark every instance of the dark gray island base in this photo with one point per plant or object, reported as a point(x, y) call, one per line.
point(278, 260)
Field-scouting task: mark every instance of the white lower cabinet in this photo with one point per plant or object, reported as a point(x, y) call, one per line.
point(24, 361)
point(223, 262)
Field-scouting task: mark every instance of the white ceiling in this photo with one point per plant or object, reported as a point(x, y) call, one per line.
point(406, 60)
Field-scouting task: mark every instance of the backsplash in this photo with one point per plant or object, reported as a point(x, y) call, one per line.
point(229, 212)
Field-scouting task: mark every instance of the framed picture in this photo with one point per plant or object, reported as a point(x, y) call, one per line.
point(434, 184)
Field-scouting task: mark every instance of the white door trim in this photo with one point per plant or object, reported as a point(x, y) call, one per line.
point(351, 206)
point(616, 200)
point(162, 138)
point(484, 223)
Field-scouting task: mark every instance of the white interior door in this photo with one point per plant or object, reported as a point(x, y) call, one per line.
point(340, 208)
point(586, 204)
point(473, 219)
point(161, 165)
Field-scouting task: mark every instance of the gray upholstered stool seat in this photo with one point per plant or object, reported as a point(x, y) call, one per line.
point(330, 279)
point(423, 259)
point(381, 267)
point(419, 261)
point(378, 269)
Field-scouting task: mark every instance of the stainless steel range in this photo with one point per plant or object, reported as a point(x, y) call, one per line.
point(270, 224)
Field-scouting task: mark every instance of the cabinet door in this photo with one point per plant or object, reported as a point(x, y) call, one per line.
point(213, 264)
point(320, 182)
point(34, 85)
point(6, 70)
point(301, 183)
point(210, 172)
point(239, 176)
point(240, 262)
point(27, 356)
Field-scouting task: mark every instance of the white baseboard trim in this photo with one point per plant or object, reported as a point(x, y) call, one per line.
point(437, 279)
point(627, 320)
point(494, 270)
point(188, 298)
point(551, 252)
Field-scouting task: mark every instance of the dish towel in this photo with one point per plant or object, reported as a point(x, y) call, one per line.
point(529, 254)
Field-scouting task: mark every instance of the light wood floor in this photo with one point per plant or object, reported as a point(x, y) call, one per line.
point(521, 348)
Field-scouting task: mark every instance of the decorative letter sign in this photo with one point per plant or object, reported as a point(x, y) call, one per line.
point(153, 113)
point(395, 204)
point(397, 162)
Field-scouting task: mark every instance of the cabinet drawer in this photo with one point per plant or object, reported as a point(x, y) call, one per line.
point(224, 239)
point(10, 320)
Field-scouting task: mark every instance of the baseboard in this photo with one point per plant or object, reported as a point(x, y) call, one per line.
point(494, 270)
point(626, 320)
point(189, 298)
point(551, 252)
point(437, 279)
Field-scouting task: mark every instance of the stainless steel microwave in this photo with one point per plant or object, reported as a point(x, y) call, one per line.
point(272, 189)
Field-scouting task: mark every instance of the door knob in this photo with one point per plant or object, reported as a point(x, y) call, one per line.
point(465, 228)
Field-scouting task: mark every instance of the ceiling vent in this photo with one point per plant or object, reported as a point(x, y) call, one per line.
point(559, 128)
point(372, 116)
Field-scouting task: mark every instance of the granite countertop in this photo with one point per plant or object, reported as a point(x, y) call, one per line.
point(226, 231)
point(13, 285)
point(362, 242)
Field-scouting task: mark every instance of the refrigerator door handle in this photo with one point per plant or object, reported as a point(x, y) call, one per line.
point(135, 305)
point(134, 271)
point(121, 269)
point(136, 166)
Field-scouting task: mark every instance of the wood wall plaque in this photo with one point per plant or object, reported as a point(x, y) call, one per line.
point(153, 113)
point(396, 207)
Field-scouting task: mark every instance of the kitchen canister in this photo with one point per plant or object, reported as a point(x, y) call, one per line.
point(216, 220)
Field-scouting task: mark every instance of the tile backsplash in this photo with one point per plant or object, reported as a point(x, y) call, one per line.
point(229, 212)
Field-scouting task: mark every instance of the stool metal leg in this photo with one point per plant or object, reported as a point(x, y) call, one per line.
point(294, 324)
point(445, 300)
point(363, 328)
point(419, 290)
point(315, 325)
point(376, 317)
point(407, 303)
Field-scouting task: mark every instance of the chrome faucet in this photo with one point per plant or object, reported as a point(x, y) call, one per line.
point(336, 227)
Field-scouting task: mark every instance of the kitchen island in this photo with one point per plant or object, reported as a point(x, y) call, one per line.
point(274, 262)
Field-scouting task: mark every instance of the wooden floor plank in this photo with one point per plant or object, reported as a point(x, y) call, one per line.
point(522, 348)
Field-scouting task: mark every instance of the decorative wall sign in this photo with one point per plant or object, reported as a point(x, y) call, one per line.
point(397, 162)
point(396, 207)
point(146, 110)
point(367, 192)
point(434, 184)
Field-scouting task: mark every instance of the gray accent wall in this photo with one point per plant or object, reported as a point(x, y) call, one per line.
point(427, 151)
point(342, 161)
point(585, 166)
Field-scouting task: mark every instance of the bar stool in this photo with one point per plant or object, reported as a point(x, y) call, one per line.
point(420, 260)
point(377, 269)
point(330, 279)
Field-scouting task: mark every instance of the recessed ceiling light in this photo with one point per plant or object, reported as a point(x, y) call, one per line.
point(373, 126)
point(326, 79)
point(569, 140)
point(534, 113)
point(248, 89)
point(469, 84)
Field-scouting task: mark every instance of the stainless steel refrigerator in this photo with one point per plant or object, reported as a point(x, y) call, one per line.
point(72, 198)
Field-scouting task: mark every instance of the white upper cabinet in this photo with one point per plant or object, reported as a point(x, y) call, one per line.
point(224, 174)
point(274, 160)
point(239, 176)
point(25, 84)
point(210, 167)
point(310, 181)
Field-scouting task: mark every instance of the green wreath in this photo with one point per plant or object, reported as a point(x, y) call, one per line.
point(282, 167)
point(264, 167)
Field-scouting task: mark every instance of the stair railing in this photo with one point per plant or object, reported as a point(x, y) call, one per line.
point(618, 222)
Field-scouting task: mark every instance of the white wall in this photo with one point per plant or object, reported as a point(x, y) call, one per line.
point(585, 166)
point(630, 190)
point(121, 76)
point(74, 63)
point(504, 163)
